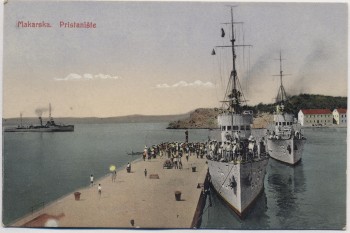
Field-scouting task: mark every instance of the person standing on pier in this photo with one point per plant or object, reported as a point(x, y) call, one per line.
point(91, 180)
point(145, 154)
point(180, 162)
point(114, 176)
point(99, 190)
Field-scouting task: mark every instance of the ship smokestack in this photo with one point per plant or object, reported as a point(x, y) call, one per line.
point(41, 121)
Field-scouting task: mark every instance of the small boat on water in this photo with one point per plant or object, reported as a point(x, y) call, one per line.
point(135, 153)
point(285, 141)
point(237, 164)
point(50, 126)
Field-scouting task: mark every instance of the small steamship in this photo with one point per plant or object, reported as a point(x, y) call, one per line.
point(50, 126)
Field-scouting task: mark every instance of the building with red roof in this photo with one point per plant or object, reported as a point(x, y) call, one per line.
point(340, 116)
point(315, 117)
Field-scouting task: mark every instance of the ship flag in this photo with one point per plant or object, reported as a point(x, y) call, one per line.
point(222, 32)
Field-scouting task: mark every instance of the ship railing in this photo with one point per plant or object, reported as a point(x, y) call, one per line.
point(240, 157)
point(286, 135)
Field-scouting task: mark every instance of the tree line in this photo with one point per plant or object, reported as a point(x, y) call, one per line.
point(303, 101)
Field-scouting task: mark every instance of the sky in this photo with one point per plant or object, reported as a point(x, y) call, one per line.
point(154, 58)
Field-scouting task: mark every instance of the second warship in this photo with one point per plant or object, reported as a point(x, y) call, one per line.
point(50, 126)
point(285, 140)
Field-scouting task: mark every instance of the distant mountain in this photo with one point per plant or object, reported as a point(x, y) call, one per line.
point(97, 120)
point(202, 118)
point(206, 118)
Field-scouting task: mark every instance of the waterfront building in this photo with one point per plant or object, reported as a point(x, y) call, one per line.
point(339, 116)
point(315, 117)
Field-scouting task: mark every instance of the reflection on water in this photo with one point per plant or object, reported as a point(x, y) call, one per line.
point(310, 195)
point(285, 183)
point(219, 215)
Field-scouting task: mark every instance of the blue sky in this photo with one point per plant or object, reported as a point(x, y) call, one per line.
point(154, 57)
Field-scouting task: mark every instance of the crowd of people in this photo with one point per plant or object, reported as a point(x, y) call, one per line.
point(175, 151)
point(232, 150)
point(236, 150)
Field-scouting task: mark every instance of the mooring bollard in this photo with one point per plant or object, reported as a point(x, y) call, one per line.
point(77, 196)
point(177, 195)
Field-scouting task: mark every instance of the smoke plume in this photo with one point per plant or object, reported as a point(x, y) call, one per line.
point(259, 78)
point(39, 111)
point(314, 65)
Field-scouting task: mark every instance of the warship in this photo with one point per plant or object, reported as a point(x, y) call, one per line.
point(50, 126)
point(285, 141)
point(237, 161)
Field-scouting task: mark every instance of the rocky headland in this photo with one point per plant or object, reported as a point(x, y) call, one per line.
point(206, 118)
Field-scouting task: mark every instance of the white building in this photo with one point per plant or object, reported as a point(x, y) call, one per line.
point(315, 117)
point(339, 116)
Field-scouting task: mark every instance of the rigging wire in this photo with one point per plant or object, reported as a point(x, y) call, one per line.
point(248, 79)
point(240, 87)
point(244, 63)
point(220, 69)
point(227, 67)
point(226, 92)
point(214, 78)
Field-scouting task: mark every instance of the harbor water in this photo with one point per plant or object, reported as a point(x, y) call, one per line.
point(42, 167)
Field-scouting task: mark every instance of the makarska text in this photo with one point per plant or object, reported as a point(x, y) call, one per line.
point(28, 24)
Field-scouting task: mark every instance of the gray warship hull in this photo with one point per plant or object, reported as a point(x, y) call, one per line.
point(286, 150)
point(58, 128)
point(239, 184)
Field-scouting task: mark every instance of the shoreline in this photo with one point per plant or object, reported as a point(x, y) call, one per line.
point(327, 126)
point(123, 167)
point(124, 200)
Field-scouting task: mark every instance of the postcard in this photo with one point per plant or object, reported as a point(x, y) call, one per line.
point(175, 115)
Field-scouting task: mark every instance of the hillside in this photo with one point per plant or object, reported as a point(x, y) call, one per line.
point(201, 118)
point(205, 118)
point(305, 101)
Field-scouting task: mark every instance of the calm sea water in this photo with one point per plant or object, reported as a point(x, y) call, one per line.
point(41, 167)
point(311, 195)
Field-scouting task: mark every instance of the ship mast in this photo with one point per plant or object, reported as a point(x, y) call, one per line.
point(50, 118)
point(281, 95)
point(21, 119)
point(235, 101)
point(234, 97)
